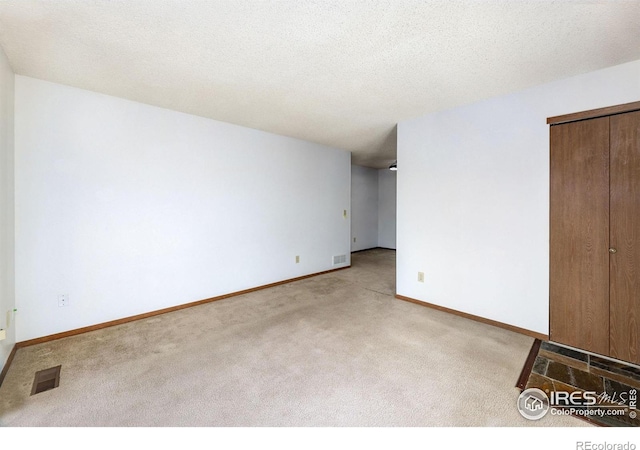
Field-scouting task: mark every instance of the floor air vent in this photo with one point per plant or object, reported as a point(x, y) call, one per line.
point(339, 259)
point(46, 379)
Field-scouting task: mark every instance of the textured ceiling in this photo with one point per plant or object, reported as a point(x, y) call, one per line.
point(338, 72)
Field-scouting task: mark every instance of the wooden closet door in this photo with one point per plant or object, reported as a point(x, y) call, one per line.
point(579, 234)
point(625, 236)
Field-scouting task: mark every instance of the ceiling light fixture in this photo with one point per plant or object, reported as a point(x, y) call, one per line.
point(394, 166)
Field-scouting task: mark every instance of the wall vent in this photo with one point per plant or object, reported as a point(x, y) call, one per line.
point(339, 259)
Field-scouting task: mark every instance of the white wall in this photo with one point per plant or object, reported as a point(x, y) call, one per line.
point(387, 208)
point(364, 208)
point(129, 208)
point(473, 197)
point(7, 294)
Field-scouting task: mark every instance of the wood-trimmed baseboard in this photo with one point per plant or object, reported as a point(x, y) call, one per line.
point(5, 369)
point(495, 323)
point(528, 365)
point(112, 323)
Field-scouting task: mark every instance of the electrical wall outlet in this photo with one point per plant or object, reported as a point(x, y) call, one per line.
point(63, 300)
point(9, 317)
point(297, 259)
point(421, 277)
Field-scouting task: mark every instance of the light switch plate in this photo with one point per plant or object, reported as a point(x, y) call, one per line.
point(3, 335)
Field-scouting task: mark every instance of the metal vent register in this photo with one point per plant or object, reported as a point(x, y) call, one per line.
point(339, 259)
point(46, 380)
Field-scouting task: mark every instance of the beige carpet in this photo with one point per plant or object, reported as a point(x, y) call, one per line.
point(334, 350)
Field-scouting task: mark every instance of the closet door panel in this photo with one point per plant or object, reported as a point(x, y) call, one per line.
point(625, 236)
point(579, 234)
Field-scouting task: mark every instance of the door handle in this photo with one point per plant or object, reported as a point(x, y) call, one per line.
point(612, 250)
